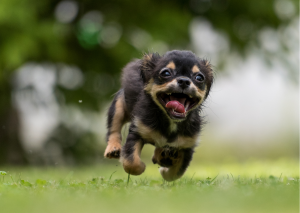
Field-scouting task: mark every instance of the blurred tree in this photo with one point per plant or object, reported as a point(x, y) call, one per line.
point(102, 36)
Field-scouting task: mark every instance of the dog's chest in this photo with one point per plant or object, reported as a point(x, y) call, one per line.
point(159, 140)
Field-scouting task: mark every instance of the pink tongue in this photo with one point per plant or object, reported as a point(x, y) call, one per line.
point(178, 107)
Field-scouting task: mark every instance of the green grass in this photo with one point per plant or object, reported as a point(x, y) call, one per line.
point(253, 186)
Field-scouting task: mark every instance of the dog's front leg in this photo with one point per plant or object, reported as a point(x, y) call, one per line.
point(115, 120)
point(179, 167)
point(131, 152)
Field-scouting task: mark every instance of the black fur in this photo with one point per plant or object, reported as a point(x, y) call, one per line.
point(132, 138)
point(187, 157)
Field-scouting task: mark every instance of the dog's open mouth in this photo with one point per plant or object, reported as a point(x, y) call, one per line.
point(177, 104)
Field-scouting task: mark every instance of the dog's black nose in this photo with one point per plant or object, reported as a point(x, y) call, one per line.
point(183, 82)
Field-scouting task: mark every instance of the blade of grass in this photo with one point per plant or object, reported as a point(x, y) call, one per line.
point(214, 179)
point(192, 177)
point(232, 177)
point(12, 179)
point(111, 175)
point(128, 178)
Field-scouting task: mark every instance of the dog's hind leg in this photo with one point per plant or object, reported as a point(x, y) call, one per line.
point(131, 152)
point(178, 169)
point(116, 118)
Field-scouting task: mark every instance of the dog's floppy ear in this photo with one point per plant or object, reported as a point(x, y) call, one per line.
point(148, 65)
point(209, 74)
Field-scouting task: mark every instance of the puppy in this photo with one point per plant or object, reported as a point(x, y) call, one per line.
point(161, 96)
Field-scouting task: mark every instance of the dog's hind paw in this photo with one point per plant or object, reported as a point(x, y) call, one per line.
point(166, 156)
point(172, 153)
point(113, 151)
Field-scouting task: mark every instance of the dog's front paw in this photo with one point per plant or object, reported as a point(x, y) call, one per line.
point(113, 150)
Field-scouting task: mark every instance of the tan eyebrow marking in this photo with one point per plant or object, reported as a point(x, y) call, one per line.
point(195, 69)
point(171, 65)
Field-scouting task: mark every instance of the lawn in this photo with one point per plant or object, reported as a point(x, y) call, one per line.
point(252, 186)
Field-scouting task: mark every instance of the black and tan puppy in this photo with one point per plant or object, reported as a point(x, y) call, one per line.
point(161, 96)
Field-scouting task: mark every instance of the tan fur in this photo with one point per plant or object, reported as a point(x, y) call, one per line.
point(195, 69)
point(147, 57)
point(161, 88)
point(153, 89)
point(115, 139)
point(157, 155)
point(114, 144)
point(148, 87)
point(159, 140)
point(171, 65)
point(148, 133)
point(135, 167)
point(118, 116)
point(200, 93)
point(207, 64)
point(158, 89)
point(173, 126)
point(187, 142)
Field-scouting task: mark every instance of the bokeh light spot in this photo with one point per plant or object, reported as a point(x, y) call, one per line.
point(66, 11)
point(110, 35)
point(89, 29)
point(284, 9)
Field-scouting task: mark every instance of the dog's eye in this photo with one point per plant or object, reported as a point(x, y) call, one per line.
point(165, 73)
point(200, 77)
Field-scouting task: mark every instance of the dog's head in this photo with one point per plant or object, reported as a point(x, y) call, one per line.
point(178, 81)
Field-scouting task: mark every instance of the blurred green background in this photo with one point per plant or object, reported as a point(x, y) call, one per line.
point(61, 61)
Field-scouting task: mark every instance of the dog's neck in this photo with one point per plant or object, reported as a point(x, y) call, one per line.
point(173, 126)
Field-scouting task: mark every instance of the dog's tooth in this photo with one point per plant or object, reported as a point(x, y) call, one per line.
point(187, 104)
